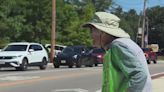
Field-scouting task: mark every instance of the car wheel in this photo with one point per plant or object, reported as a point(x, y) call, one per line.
point(154, 61)
point(70, 62)
point(43, 66)
point(148, 61)
point(70, 66)
point(91, 62)
point(91, 65)
point(78, 63)
point(55, 63)
point(23, 66)
point(96, 64)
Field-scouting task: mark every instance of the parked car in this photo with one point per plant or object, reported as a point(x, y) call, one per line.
point(69, 56)
point(160, 52)
point(150, 55)
point(94, 56)
point(23, 54)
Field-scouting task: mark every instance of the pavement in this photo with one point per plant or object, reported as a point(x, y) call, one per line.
point(158, 82)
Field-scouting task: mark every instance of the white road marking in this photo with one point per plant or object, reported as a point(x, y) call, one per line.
point(161, 73)
point(70, 90)
point(15, 78)
point(48, 71)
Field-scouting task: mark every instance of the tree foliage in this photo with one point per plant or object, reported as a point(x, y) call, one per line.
point(156, 25)
point(30, 20)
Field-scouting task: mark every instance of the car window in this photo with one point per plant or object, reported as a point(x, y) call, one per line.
point(67, 50)
point(16, 48)
point(57, 47)
point(49, 46)
point(36, 47)
point(61, 48)
point(79, 50)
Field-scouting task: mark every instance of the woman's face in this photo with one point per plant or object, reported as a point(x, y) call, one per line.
point(100, 39)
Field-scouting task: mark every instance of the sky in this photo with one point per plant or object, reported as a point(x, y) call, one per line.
point(138, 4)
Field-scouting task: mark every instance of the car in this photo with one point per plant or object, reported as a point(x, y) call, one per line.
point(23, 54)
point(94, 56)
point(69, 56)
point(160, 52)
point(150, 55)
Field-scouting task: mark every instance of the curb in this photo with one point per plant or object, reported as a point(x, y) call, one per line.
point(158, 75)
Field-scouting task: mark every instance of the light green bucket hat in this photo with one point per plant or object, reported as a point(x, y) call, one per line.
point(108, 23)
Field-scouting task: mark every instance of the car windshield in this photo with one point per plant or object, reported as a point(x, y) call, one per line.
point(16, 48)
point(98, 50)
point(67, 50)
point(146, 49)
point(56, 47)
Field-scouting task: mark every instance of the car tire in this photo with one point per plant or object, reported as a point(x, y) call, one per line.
point(92, 62)
point(43, 65)
point(56, 65)
point(96, 64)
point(78, 63)
point(70, 62)
point(23, 66)
point(148, 61)
point(154, 61)
point(70, 66)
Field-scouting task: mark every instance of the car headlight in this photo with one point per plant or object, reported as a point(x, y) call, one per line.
point(13, 57)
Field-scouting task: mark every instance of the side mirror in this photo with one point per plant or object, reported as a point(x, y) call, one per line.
point(31, 50)
point(83, 51)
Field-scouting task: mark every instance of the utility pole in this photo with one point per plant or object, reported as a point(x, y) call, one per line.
point(143, 25)
point(147, 32)
point(52, 54)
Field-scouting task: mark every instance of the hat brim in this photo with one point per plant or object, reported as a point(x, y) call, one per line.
point(117, 32)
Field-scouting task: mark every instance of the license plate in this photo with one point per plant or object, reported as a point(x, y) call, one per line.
point(1, 62)
point(63, 61)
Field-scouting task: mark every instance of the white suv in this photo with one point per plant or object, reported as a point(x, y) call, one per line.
point(23, 54)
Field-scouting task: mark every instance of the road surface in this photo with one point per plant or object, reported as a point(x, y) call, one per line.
point(85, 79)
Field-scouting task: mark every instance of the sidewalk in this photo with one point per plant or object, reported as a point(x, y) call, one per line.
point(158, 84)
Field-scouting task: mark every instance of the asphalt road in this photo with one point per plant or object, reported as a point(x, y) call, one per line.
point(57, 80)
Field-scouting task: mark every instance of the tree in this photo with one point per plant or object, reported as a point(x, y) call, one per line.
point(69, 19)
point(156, 25)
point(129, 21)
point(21, 18)
point(30, 20)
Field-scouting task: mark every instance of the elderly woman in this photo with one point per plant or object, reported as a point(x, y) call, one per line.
point(124, 68)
